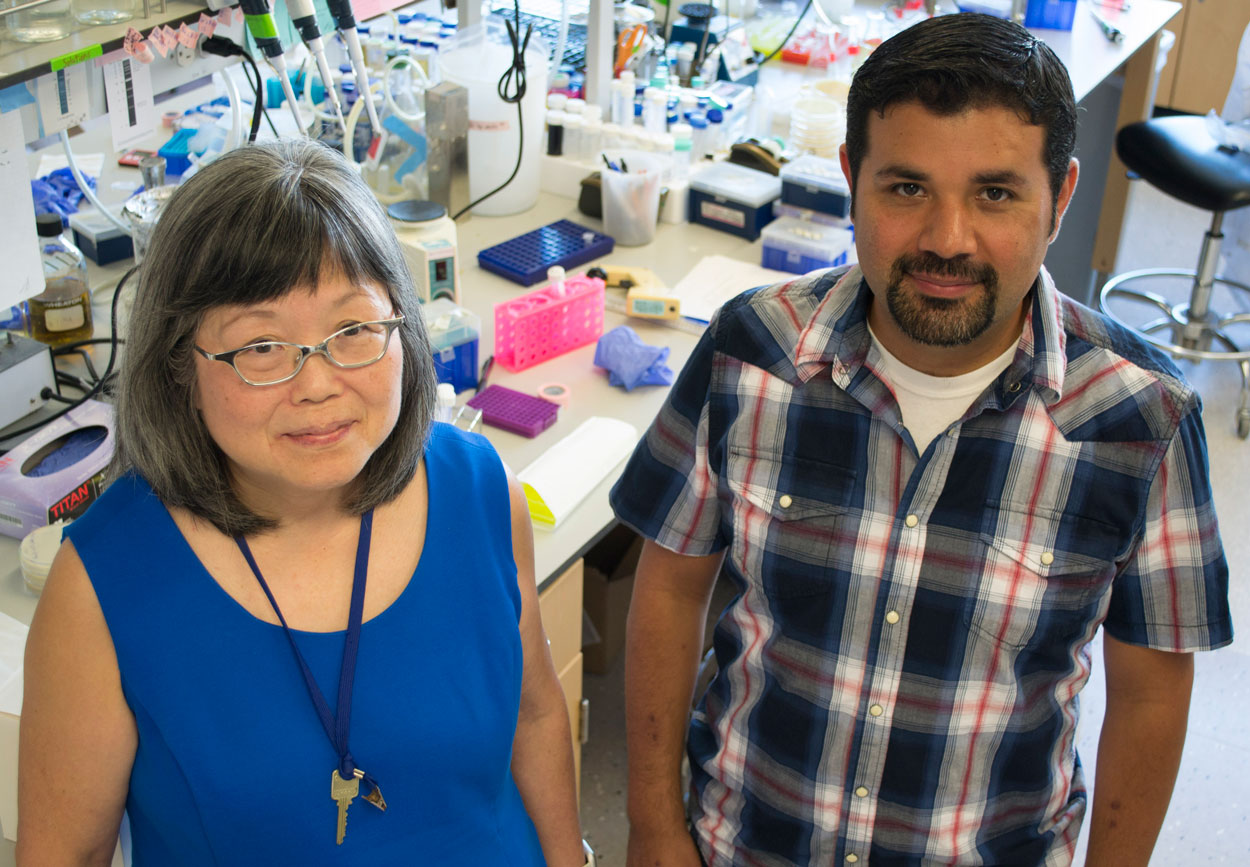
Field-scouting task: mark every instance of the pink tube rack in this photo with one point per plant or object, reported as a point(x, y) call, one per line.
point(545, 323)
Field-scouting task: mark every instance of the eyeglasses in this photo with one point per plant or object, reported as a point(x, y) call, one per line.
point(270, 362)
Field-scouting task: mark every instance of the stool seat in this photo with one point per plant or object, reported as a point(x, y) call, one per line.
point(1179, 156)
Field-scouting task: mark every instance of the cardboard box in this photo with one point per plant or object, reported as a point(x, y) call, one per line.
point(608, 584)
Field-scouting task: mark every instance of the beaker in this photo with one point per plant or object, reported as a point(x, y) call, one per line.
point(103, 11)
point(43, 23)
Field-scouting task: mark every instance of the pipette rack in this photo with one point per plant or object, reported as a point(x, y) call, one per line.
point(526, 258)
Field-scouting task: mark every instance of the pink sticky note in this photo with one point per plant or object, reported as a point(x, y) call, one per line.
point(206, 25)
point(187, 36)
point(130, 42)
point(157, 43)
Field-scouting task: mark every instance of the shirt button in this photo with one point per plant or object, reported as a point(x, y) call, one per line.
point(1013, 387)
point(952, 432)
point(852, 858)
point(861, 792)
point(1047, 558)
point(876, 710)
point(911, 521)
point(891, 617)
point(784, 501)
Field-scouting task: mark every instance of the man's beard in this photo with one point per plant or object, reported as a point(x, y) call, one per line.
point(942, 321)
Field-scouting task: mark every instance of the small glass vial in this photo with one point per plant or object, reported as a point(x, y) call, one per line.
point(665, 146)
point(62, 312)
point(611, 136)
point(555, 133)
point(621, 102)
point(654, 110)
point(446, 402)
point(103, 11)
point(715, 131)
point(592, 139)
point(698, 137)
point(681, 150)
point(573, 136)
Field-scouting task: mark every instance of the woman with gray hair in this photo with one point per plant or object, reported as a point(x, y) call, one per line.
point(277, 478)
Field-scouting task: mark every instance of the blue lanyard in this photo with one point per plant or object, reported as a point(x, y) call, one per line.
point(337, 729)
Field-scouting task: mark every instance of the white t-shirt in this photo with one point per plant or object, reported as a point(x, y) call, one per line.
point(930, 404)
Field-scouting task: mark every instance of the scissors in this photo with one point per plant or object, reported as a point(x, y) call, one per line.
point(629, 42)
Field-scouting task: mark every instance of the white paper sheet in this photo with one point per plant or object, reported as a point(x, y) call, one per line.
point(132, 111)
point(19, 244)
point(716, 279)
point(12, 652)
point(569, 470)
point(89, 164)
point(62, 98)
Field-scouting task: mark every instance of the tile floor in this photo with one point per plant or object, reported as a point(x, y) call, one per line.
point(1209, 819)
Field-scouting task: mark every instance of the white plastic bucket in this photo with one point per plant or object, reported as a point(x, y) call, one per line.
point(477, 61)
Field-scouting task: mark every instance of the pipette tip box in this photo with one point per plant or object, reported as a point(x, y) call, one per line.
point(526, 258)
point(733, 199)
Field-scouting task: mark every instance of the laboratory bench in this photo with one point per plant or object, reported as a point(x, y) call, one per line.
point(1113, 83)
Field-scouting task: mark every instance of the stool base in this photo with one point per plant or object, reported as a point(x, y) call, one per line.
point(1186, 337)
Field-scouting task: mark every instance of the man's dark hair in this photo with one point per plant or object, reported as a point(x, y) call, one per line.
point(956, 62)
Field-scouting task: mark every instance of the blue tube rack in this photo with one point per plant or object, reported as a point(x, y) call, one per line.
point(526, 258)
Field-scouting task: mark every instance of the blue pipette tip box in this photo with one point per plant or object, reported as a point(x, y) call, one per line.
point(526, 258)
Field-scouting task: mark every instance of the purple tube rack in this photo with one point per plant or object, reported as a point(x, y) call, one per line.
point(514, 411)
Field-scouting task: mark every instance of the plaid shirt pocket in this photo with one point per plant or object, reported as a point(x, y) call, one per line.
point(788, 512)
point(1040, 575)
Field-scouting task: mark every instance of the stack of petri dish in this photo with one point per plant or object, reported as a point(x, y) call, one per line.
point(817, 125)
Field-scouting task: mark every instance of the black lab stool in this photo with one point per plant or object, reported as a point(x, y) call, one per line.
point(1179, 156)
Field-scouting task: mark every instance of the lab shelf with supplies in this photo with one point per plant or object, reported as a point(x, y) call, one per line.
point(23, 61)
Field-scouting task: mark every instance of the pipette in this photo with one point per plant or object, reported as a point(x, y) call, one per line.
point(304, 17)
point(345, 21)
point(261, 25)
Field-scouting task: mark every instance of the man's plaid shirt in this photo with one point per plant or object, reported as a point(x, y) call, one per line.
point(898, 675)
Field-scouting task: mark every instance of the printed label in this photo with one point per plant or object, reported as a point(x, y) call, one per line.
point(64, 318)
point(648, 307)
point(76, 57)
point(76, 501)
point(490, 125)
point(721, 214)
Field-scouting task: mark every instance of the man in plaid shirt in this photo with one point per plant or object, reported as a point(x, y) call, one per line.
point(931, 477)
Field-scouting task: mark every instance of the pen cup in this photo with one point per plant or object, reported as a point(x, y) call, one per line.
point(631, 198)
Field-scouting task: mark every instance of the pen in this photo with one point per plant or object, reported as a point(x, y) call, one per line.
point(1108, 29)
point(486, 368)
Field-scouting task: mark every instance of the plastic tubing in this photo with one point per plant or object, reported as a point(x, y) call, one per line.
point(397, 62)
point(236, 135)
point(349, 134)
point(86, 189)
point(561, 37)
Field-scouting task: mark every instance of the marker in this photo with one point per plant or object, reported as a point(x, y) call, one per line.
point(1109, 30)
